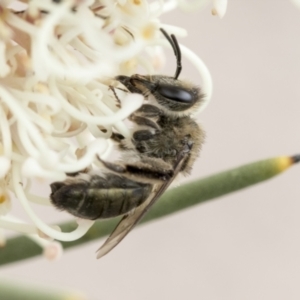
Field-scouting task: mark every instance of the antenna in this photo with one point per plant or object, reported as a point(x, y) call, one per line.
point(175, 46)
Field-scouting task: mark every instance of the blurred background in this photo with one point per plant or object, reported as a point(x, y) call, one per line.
point(245, 245)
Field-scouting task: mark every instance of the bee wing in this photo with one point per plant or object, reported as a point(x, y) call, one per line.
point(131, 219)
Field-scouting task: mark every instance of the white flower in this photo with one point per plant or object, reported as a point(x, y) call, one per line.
point(57, 110)
point(53, 251)
point(219, 8)
point(296, 2)
point(5, 202)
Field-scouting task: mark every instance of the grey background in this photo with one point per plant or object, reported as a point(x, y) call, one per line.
point(242, 246)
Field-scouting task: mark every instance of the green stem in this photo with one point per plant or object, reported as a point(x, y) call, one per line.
point(10, 290)
point(179, 198)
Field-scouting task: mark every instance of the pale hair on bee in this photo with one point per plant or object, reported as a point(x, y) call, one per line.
point(165, 141)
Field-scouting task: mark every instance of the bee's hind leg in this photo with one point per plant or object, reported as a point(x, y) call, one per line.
point(154, 172)
point(155, 169)
point(112, 166)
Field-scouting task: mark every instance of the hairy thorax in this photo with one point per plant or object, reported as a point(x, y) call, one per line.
point(172, 137)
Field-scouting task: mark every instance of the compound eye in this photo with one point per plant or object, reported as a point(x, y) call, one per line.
point(174, 93)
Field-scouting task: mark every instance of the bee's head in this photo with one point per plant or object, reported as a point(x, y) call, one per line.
point(169, 93)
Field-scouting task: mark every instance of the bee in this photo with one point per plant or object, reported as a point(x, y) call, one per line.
point(165, 141)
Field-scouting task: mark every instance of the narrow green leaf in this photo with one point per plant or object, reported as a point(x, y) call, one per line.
point(179, 198)
point(20, 291)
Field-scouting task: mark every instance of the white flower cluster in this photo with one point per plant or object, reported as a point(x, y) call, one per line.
point(57, 107)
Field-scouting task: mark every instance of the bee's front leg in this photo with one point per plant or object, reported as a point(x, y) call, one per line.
point(142, 135)
point(149, 111)
point(117, 137)
point(144, 121)
point(149, 129)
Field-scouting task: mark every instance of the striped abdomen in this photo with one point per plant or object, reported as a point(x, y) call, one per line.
point(104, 196)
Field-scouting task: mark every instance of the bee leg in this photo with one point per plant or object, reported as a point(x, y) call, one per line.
point(74, 174)
point(113, 167)
point(125, 80)
point(144, 122)
point(144, 134)
point(117, 137)
point(141, 135)
point(149, 111)
point(151, 168)
point(159, 171)
point(146, 171)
